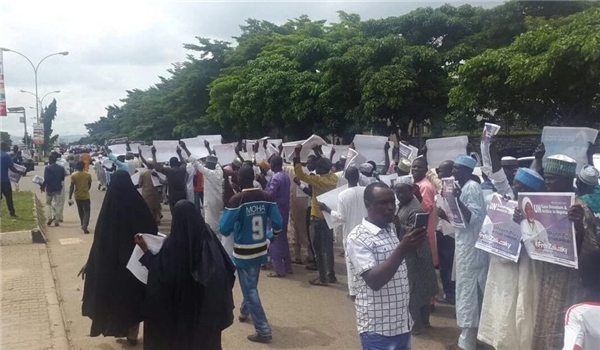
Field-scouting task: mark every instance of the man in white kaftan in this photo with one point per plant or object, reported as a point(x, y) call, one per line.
point(213, 195)
point(508, 312)
point(350, 212)
point(471, 263)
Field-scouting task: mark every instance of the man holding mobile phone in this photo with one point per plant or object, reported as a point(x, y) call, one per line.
point(379, 271)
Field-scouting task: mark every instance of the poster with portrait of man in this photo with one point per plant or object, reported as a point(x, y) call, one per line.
point(547, 233)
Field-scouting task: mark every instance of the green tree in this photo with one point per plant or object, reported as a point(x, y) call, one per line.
point(548, 75)
point(48, 117)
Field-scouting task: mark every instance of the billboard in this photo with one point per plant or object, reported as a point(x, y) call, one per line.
point(38, 134)
point(2, 92)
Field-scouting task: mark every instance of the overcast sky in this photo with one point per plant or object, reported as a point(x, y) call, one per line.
point(115, 46)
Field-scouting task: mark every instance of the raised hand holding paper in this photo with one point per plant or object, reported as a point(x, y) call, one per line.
point(489, 130)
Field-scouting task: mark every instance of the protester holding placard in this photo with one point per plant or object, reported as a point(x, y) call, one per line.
point(213, 187)
point(350, 212)
point(176, 175)
point(445, 240)
point(508, 315)
point(560, 283)
point(149, 192)
point(322, 237)
point(6, 164)
point(471, 263)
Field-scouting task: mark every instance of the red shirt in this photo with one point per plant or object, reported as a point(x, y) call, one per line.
point(199, 187)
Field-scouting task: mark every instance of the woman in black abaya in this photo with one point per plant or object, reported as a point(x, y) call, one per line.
point(190, 282)
point(112, 297)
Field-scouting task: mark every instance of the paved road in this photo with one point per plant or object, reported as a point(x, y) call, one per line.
point(302, 316)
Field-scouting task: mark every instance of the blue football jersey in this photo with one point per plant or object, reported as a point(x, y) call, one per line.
point(248, 216)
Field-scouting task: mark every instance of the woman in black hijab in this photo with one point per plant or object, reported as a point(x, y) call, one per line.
point(190, 281)
point(112, 297)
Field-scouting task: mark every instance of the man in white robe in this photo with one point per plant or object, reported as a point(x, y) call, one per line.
point(350, 212)
point(508, 314)
point(471, 263)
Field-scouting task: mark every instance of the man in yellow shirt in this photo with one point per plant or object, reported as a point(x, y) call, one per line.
point(321, 235)
point(81, 182)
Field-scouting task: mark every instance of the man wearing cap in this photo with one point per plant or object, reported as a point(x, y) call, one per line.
point(403, 168)
point(471, 263)
point(508, 315)
point(366, 174)
point(322, 236)
point(560, 285)
point(588, 187)
point(510, 166)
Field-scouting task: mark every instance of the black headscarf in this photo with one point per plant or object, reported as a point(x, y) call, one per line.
point(190, 282)
point(112, 297)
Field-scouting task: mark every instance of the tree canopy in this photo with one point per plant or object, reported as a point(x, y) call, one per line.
point(440, 67)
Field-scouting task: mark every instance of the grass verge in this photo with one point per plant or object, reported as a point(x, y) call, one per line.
point(23, 202)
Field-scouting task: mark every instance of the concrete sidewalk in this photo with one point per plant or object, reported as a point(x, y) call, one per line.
point(30, 313)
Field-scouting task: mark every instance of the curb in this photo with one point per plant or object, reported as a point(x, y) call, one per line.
point(36, 235)
point(55, 313)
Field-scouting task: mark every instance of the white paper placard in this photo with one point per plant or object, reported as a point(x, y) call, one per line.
point(196, 147)
point(165, 150)
point(288, 148)
point(118, 150)
point(154, 244)
point(340, 150)
point(570, 141)
point(225, 152)
point(330, 199)
point(212, 139)
point(446, 148)
point(134, 147)
point(354, 159)
point(371, 147)
point(389, 180)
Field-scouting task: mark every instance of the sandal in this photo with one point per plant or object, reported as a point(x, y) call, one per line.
point(318, 282)
point(275, 275)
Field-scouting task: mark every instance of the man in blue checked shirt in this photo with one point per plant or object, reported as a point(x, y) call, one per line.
point(247, 216)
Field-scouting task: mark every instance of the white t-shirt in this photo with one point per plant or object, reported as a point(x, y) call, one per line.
point(582, 327)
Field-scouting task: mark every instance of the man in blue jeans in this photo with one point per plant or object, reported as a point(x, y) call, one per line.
point(247, 215)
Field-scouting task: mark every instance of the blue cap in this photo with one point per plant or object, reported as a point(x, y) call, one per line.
point(465, 160)
point(530, 178)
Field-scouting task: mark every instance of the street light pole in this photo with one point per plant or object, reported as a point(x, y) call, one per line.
point(40, 102)
point(35, 70)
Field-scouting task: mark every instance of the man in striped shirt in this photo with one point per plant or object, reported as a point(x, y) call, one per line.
point(247, 216)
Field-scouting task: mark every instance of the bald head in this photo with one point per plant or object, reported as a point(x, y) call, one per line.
point(352, 175)
point(445, 169)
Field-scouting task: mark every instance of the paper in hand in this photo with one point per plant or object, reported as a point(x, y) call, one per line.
point(154, 244)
